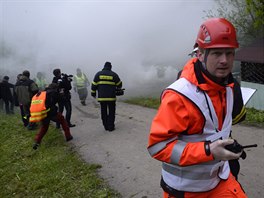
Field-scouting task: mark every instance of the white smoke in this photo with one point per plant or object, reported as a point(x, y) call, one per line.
point(146, 41)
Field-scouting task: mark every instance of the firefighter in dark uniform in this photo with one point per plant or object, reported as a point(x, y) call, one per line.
point(106, 82)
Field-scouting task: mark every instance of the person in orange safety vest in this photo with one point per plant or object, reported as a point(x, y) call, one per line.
point(38, 109)
point(193, 123)
point(43, 109)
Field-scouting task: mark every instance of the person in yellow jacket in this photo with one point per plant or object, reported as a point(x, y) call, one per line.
point(41, 81)
point(80, 83)
point(193, 124)
point(43, 109)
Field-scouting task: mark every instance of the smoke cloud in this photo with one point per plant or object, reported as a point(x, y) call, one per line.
point(147, 42)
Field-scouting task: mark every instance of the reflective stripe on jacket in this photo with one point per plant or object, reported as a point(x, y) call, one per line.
point(38, 109)
point(204, 176)
point(179, 118)
point(105, 83)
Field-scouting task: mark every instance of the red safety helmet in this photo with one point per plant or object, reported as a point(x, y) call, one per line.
point(217, 33)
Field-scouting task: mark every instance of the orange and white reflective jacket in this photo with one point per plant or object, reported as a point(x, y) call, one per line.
point(193, 109)
point(38, 109)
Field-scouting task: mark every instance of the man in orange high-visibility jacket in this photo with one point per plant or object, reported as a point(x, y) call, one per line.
point(193, 124)
point(46, 113)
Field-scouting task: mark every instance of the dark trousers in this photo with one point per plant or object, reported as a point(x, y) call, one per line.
point(83, 92)
point(23, 116)
point(68, 107)
point(26, 112)
point(45, 126)
point(108, 109)
point(1, 104)
point(9, 106)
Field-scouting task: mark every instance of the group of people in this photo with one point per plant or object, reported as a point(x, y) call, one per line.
point(25, 94)
point(40, 102)
point(192, 127)
point(8, 93)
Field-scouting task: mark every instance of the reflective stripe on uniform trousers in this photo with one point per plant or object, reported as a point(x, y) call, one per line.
point(105, 99)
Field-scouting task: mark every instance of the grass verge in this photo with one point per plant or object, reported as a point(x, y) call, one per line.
point(254, 117)
point(144, 101)
point(54, 170)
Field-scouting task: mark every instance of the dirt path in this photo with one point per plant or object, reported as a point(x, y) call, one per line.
point(126, 164)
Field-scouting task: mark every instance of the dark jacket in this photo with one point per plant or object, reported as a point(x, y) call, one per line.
point(25, 89)
point(52, 98)
point(106, 82)
point(64, 86)
point(239, 110)
point(5, 91)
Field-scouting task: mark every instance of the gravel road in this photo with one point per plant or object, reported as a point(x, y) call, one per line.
point(126, 164)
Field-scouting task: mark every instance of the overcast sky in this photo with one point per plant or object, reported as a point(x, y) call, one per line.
point(136, 36)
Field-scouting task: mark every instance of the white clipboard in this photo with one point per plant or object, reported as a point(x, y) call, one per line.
point(247, 93)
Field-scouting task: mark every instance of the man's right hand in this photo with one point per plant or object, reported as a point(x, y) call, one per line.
point(219, 151)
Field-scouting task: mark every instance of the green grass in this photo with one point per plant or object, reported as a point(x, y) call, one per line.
point(254, 117)
point(54, 170)
point(145, 102)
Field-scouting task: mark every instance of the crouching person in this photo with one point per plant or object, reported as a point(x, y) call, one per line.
point(43, 109)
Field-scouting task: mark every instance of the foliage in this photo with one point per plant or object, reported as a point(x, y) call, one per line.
point(246, 15)
point(54, 170)
point(254, 117)
point(256, 9)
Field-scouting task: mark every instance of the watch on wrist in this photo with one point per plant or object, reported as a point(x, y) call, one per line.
point(207, 148)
